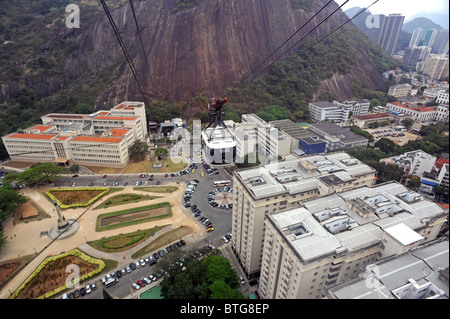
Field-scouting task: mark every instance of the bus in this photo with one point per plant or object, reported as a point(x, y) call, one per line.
point(222, 183)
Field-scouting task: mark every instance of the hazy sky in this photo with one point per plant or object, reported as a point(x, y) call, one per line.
point(404, 7)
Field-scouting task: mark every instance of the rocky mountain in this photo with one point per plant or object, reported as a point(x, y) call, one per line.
point(191, 46)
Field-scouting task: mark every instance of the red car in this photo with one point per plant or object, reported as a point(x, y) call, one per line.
point(140, 283)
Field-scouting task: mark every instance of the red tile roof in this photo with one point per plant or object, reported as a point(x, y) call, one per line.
point(40, 127)
point(126, 118)
point(440, 162)
point(33, 136)
point(99, 139)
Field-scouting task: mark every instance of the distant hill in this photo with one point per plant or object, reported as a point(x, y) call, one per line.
point(438, 18)
point(373, 33)
point(421, 22)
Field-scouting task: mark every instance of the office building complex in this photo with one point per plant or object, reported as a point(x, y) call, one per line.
point(417, 113)
point(390, 30)
point(98, 139)
point(332, 239)
point(259, 192)
point(337, 137)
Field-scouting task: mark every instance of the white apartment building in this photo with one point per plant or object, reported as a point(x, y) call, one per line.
point(98, 139)
point(442, 113)
point(443, 97)
point(437, 66)
point(259, 192)
point(400, 90)
point(271, 143)
point(414, 163)
point(330, 240)
point(338, 111)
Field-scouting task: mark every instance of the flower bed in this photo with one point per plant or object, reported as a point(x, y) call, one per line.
point(103, 190)
point(48, 262)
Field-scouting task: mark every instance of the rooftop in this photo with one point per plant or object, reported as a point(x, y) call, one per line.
point(331, 129)
point(296, 175)
point(332, 224)
point(421, 273)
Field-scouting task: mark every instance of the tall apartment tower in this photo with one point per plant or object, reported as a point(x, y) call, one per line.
point(259, 192)
point(430, 37)
point(417, 36)
point(436, 67)
point(440, 45)
point(390, 30)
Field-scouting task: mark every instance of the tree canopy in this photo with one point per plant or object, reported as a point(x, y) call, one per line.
point(138, 150)
point(212, 278)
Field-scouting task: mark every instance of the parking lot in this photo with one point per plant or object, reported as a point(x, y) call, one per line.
point(399, 137)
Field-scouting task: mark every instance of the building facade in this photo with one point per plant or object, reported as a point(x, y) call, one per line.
point(390, 31)
point(98, 139)
point(261, 191)
point(332, 239)
point(414, 163)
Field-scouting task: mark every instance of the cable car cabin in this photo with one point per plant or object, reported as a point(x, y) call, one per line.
point(219, 146)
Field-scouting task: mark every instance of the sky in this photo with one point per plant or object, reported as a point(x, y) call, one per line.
point(407, 8)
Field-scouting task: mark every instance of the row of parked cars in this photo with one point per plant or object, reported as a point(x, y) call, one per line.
point(151, 260)
point(87, 289)
point(189, 191)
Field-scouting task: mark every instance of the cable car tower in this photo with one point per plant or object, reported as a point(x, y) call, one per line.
point(218, 142)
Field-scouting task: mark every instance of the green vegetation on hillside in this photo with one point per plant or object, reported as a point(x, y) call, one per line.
point(293, 83)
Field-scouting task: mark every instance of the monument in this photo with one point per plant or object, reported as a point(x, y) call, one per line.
point(64, 228)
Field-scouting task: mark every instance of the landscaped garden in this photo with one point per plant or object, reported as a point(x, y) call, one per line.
point(125, 199)
point(124, 242)
point(51, 278)
point(133, 216)
point(157, 189)
point(163, 240)
point(80, 197)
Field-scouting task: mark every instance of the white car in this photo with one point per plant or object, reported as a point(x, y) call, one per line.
point(148, 281)
point(152, 278)
point(135, 286)
point(128, 269)
point(88, 289)
point(142, 261)
point(138, 265)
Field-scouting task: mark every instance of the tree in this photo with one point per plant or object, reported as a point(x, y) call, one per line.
point(41, 173)
point(408, 123)
point(413, 182)
point(74, 168)
point(221, 290)
point(161, 152)
point(138, 150)
point(386, 145)
point(440, 190)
